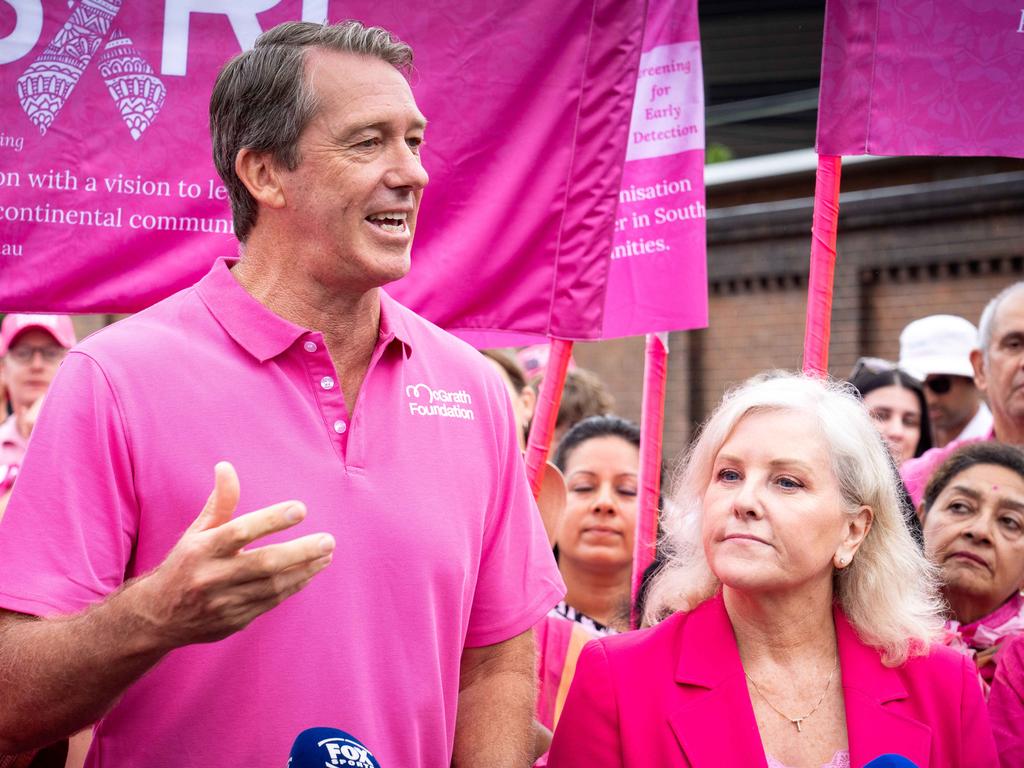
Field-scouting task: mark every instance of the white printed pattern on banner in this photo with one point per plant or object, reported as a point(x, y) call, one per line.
point(46, 85)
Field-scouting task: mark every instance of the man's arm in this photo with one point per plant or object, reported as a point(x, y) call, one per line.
point(61, 674)
point(497, 692)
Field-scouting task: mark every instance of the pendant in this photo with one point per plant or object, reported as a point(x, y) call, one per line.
point(796, 721)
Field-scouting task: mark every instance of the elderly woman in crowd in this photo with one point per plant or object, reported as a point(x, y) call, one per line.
point(896, 402)
point(600, 458)
point(798, 613)
point(973, 512)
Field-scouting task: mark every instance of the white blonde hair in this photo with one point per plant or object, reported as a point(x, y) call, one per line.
point(890, 590)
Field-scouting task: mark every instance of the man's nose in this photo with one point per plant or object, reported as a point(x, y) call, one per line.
point(407, 170)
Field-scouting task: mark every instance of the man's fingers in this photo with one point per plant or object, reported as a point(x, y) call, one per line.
point(223, 501)
point(266, 562)
point(245, 529)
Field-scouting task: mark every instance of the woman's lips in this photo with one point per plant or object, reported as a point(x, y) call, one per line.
point(744, 537)
point(969, 557)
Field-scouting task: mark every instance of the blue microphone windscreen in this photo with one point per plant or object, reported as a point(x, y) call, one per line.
point(329, 747)
point(891, 761)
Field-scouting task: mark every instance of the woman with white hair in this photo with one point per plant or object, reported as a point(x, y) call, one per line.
point(797, 615)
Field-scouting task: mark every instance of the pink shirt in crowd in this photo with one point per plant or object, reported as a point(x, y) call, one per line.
point(439, 544)
point(917, 472)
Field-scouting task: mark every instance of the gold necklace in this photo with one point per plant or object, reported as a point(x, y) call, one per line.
point(797, 721)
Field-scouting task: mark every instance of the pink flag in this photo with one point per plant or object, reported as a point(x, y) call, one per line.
point(922, 77)
point(109, 200)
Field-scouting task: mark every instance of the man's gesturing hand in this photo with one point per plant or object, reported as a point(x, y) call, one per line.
point(210, 586)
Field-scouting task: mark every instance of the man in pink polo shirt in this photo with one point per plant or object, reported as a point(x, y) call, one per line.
point(999, 375)
point(31, 348)
point(402, 612)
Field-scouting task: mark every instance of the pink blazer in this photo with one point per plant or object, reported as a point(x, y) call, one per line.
point(675, 695)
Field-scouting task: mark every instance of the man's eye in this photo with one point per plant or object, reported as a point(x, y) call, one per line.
point(414, 142)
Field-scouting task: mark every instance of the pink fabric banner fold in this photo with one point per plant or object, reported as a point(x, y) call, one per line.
point(824, 233)
point(922, 77)
point(652, 421)
point(109, 200)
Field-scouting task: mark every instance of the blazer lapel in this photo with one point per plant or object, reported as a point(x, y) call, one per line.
point(714, 721)
point(872, 694)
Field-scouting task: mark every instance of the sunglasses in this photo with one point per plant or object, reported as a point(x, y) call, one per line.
point(940, 385)
point(872, 365)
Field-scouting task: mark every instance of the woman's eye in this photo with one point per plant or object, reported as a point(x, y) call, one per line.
point(581, 489)
point(728, 475)
point(959, 508)
point(627, 491)
point(1011, 524)
point(789, 483)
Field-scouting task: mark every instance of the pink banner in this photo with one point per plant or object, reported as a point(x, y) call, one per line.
point(922, 77)
point(657, 280)
point(109, 200)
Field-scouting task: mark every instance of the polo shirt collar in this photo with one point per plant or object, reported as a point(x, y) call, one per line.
point(264, 334)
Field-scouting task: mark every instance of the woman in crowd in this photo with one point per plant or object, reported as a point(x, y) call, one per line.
point(797, 612)
point(973, 512)
point(600, 458)
point(896, 402)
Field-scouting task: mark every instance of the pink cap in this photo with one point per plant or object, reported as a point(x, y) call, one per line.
point(58, 326)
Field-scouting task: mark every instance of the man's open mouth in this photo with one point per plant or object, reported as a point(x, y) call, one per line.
point(389, 221)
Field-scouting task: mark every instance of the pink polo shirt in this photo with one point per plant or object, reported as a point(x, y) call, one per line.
point(439, 544)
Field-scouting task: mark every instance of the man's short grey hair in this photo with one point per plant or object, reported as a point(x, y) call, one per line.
point(262, 100)
point(988, 316)
point(890, 590)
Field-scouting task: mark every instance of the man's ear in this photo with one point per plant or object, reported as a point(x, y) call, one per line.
point(261, 176)
point(978, 361)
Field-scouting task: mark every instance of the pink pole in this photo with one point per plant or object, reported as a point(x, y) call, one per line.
point(546, 414)
point(651, 422)
point(823, 265)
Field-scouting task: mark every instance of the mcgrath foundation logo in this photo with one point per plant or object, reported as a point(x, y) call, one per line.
point(424, 400)
point(45, 87)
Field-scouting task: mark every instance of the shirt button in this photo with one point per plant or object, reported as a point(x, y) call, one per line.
point(309, 346)
point(340, 426)
point(327, 382)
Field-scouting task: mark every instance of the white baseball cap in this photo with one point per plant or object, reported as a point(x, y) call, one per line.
point(938, 344)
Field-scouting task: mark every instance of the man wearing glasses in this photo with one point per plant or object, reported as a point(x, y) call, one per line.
point(31, 348)
point(998, 367)
point(936, 350)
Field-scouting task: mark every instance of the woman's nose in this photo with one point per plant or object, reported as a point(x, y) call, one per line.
point(746, 502)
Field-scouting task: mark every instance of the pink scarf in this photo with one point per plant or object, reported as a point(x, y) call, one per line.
point(987, 632)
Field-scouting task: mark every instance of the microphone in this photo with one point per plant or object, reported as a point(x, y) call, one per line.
point(329, 747)
point(890, 761)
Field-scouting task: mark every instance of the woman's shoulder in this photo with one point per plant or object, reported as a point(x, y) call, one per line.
point(937, 671)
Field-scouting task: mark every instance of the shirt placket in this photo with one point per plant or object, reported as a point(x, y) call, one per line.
point(328, 390)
